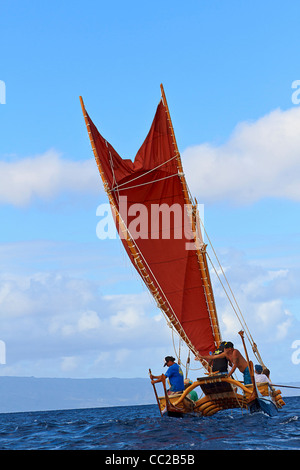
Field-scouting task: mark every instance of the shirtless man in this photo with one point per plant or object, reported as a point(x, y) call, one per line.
point(236, 359)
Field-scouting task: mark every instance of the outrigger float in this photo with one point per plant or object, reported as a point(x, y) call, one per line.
point(172, 260)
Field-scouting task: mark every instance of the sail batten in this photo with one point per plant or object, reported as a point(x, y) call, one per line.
point(157, 226)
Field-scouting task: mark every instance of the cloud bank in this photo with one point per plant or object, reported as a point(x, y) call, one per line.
point(55, 324)
point(60, 324)
point(260, 160)
point(44, 177)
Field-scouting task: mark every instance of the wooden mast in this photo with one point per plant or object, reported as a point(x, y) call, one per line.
point(250, 366)
point(162, 303)
point(200, 246)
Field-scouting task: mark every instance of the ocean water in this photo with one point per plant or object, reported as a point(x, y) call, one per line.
point(140, 428)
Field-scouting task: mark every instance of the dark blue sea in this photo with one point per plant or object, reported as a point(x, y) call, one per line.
point(137, 428)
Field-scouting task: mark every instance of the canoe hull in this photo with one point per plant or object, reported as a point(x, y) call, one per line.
point(220, 393)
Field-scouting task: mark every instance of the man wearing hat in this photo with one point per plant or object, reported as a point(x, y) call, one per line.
point(174, 374)
point(258, 374)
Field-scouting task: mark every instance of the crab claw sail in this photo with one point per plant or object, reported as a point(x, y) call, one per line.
point(157, 225)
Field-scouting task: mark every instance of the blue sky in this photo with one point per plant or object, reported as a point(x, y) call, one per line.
point(70, 304)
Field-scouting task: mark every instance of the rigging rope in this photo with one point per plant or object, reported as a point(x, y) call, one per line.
point(178, 354)
point(144, 174)
point(239, 315)
point(143, 184)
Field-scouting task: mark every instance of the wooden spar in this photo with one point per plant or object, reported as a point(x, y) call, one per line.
point(162, 303)
point(285, 386)
point(200, 246)
point(250, 365)
point(94, 149)
point(155, 393)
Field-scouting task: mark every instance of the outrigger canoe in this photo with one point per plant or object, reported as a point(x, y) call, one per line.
point(159, 225)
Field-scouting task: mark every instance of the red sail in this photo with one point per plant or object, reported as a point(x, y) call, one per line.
point(149, 196)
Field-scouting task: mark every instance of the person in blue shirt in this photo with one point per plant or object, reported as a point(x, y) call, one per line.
point(174, 374)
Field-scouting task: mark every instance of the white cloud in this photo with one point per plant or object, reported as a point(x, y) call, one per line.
point(284, 327)
point(52, 318)
point(60, 324)
point(69, 363)
point(89, 321)
point(261, 159)
point(45, 176)
point(270, 312)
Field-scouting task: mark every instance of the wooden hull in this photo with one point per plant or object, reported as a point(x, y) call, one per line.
point(174, 406)
point(220, 393)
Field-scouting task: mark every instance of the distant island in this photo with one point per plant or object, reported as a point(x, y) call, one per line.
point(42, 394)
point(19, 394)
